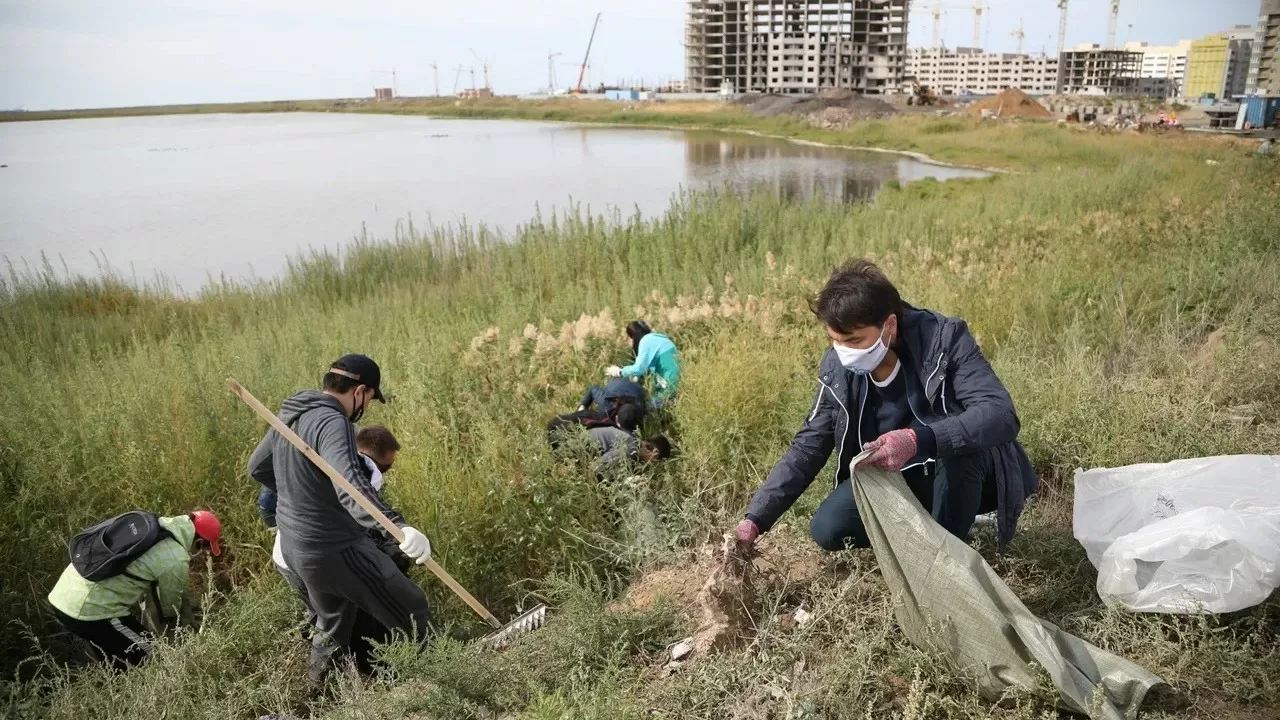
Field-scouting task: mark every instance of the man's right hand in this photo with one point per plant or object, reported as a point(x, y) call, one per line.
point(415, 545)
point(746, 532)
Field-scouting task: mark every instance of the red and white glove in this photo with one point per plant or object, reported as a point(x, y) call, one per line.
point(746, 532)
point(892, 450)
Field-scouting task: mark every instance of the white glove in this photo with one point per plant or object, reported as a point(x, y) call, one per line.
point(415, 545)
point(613, 371)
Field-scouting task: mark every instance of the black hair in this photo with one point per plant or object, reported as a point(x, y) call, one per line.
point(378, 439)
point(628, 417)
point(340, 384)
point(661, 445)
point(637, 329)
point(858, 294)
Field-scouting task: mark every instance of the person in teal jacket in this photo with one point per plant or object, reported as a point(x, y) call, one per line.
point(656, 356)
point(102, 612)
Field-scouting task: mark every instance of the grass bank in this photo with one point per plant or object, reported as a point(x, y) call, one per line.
point(959, 140)
point(1124, 290)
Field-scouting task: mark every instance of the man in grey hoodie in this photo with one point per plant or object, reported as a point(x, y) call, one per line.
point(323, 530)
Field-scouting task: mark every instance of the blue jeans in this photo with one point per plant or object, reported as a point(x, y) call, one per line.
point(952, 490)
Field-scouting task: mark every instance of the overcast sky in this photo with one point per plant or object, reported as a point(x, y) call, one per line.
point(82, 53)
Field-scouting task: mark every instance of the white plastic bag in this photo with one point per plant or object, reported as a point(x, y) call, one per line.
point(1198, 535)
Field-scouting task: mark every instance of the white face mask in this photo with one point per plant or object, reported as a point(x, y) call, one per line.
point(862, 361)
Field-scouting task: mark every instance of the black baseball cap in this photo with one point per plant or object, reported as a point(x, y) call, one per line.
point(360, 368)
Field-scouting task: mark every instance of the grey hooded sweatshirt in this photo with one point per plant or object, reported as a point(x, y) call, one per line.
point(314, 515)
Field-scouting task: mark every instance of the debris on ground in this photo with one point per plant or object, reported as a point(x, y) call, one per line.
point(1011, 103)
point(829, 109)
point(681, 650)
point(802, 616)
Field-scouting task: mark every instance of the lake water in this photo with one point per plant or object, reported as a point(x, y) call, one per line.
point(194, 197)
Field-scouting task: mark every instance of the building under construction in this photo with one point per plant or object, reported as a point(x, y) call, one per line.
point(1091, 70)
point(796, 46)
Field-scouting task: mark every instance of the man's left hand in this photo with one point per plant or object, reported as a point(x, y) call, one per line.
point(892, 450)
point(613, 371)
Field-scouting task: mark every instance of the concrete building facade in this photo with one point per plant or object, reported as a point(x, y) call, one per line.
point(1219, 63)
point(1091, 70)
point(795, 46)
point(970, 70)
point(1264, 63)
point(1164, 68)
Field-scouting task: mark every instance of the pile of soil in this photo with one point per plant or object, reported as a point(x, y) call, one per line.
point(1011, 103)
point(829, 108)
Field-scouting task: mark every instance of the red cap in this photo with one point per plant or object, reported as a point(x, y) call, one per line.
point(208, 528)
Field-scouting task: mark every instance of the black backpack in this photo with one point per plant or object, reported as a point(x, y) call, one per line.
point(106, 549)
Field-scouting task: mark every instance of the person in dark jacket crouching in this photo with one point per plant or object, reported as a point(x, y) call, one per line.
point(912, 387)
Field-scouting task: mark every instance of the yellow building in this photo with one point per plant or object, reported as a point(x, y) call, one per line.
point(1219, 64)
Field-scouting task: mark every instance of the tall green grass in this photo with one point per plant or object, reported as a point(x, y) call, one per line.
point(1092, 287)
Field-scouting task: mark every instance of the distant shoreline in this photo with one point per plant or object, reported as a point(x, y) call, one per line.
point(705, 115)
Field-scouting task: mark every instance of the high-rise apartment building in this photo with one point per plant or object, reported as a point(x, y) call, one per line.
point(1264, 63)
point(795, 46)
point(1219, 63)
point(1164, 68)
point(970, 70)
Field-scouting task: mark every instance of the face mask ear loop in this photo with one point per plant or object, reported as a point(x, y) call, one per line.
point(357, 414)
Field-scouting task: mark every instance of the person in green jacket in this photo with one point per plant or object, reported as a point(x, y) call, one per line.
point(102, 612)
point(656, 355)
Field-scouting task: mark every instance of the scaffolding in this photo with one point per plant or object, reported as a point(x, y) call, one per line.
point(1100, 72)
point(796, 46)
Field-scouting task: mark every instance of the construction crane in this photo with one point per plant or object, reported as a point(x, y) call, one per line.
point(578, 66)
point(937, 9)
point(1111, 24)
point(1019, 34)
point(484, 64)
point(458, 77)
point(583, 71)
point(978, 9)
point(551, 71)
point(435, 73)
point(1062, 28)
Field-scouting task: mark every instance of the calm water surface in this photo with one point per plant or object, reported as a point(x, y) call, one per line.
point(194, 197)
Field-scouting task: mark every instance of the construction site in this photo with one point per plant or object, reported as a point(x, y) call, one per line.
point(788, 47)
point(1092, 70)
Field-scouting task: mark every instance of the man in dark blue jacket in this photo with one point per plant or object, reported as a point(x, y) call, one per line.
point(604, 402)
point(912, 387)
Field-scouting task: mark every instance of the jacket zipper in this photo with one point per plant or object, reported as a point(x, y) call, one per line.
point(840, 455)
point(916, 415)
point(817, 403)
point(935, 372)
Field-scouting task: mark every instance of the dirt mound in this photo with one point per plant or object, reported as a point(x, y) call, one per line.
point(832, 118)
point(1011, 103)
point(677, 586)
point(829, 108)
